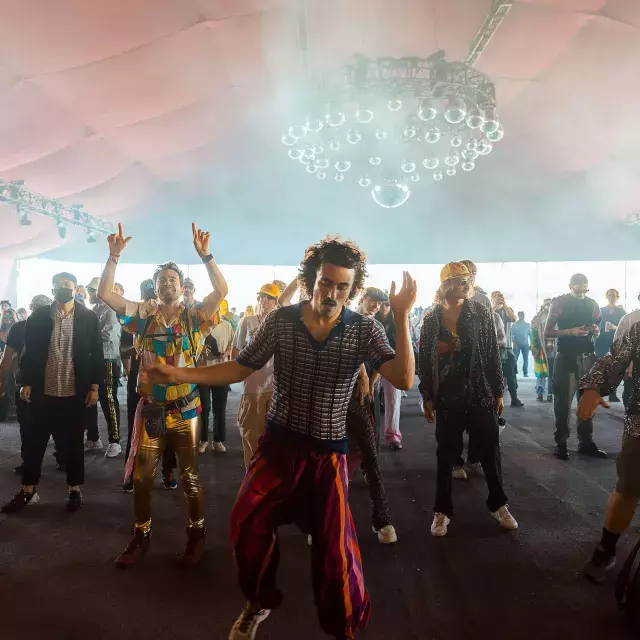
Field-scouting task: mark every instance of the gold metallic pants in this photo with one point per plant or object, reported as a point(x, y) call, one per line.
point(183, 436)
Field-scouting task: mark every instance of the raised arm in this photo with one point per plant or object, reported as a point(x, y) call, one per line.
point(211, 302)
point(117, 243)
point(287, 295)
point(401, 370)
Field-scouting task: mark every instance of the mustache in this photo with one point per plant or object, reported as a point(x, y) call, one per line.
point(329, 301)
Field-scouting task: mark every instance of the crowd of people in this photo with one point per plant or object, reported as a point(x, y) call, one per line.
point(317, 377)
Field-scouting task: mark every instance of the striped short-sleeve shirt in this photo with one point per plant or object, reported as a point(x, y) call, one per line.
point(313, 381)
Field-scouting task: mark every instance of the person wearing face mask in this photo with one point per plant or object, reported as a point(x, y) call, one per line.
point(167, 414)
point(61, 371)
point(258, 387)
point(462, 387)
point(574, 319)
point(299, 470)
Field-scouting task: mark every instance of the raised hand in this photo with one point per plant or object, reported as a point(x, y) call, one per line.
point(117, 242)
point(200, 240)
point(402, 301)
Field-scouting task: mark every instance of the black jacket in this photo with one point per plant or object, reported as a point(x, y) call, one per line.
point(87, 350)
point(476, 328)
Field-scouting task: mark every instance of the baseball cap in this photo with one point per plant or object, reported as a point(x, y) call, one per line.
point(94, 284)
point(147, 290)
point(454, 270)
point(270, 290)
point(376, 294)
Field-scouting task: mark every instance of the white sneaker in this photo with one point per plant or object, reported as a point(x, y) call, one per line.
point(439, 525)
point(246, 626)
point(113, 450)
point(219, 447)
point(94, 446)
point(506, 520)
point(476, 468)
point(386, 535)
point(404, 394)
point(203, 447)
point(459, 473)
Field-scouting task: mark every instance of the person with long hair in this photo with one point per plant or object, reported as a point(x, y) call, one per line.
point(462, 388)
point(392, 396)
point(299, 471)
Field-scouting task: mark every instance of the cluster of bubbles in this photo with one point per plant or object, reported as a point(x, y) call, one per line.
point(471, 133)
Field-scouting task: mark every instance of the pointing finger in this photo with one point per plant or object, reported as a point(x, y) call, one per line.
point(120, 232)
point(193, 230)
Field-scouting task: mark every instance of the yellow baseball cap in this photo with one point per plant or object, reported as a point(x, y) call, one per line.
point(224, 308)
point(454, 270)
point(270, 290)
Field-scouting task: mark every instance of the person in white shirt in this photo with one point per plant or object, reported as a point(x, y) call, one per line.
point(258, 387)
point(218, 347)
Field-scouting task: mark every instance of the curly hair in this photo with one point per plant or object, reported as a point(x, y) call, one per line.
point(332, 250)
point(171, 266)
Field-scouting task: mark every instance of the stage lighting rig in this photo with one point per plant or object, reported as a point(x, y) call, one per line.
point(27, 202)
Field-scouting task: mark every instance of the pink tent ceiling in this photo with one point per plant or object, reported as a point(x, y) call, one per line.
point(135, 106)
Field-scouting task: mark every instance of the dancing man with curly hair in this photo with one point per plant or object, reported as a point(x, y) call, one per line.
point(299, 471)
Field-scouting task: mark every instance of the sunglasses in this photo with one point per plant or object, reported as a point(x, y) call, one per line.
point(459, 281)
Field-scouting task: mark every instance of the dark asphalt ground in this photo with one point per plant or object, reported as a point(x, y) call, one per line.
point(58, 581)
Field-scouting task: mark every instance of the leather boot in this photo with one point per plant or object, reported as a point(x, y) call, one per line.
point(138, 547)
point(196, 538)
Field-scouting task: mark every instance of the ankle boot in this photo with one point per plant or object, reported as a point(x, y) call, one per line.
point(196, 538)
point(137, 547)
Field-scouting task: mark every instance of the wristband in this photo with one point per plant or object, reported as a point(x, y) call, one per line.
point(207, 258)
point(114, 257)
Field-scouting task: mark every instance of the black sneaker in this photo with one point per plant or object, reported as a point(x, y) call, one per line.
point(540, 398)
point(169, 482)
point(19, 470)
point(127, 487)
point(600, 563)
point(395, 446)
point(20, 501)
point(75, 501)
point(517, 403)
point(591, 449)
point(561, 452)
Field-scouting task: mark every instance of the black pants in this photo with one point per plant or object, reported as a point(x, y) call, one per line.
point(169, 461)
point(109, 399)
point(473, 453)
point(65, 419)
point(22, 412)
point(509, 371)
point(483, 429)
point(214, 401)
point(566, 376)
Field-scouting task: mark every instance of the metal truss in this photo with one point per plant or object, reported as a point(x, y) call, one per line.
point(27, 201)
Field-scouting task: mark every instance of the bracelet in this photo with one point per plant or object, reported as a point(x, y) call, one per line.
point(207, 258)
point(114, 257)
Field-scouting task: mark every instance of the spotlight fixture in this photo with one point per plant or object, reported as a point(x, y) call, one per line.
point(23, 217)
point(28, 202)
point(91, 236)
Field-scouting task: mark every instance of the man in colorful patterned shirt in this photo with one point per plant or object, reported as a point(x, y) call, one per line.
point(168, 414)
point(299, 471)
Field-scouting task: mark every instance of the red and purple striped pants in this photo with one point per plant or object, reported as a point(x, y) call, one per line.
point(287, 483)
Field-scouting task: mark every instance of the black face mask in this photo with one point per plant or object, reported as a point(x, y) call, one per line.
point(63, 295)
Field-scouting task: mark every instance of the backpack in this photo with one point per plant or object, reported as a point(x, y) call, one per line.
point(628, 588)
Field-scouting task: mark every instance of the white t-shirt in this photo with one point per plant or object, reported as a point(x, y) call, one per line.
point(262, 380)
